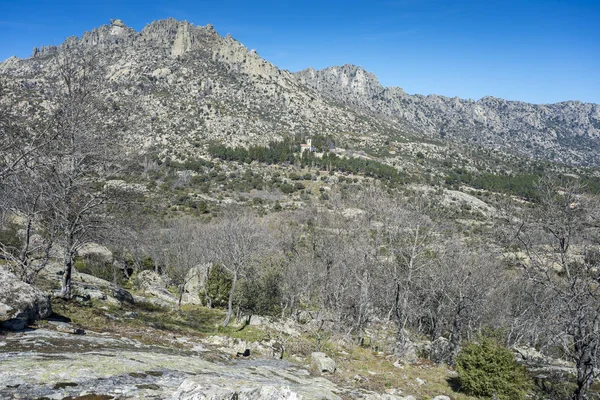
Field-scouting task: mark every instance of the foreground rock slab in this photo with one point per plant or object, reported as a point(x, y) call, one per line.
point(49, 364)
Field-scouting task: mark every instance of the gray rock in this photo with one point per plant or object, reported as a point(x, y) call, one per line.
point(89, 292)
point(96, 252)
point(20, 303)
point(322, 363)
point(152, 284)
point(490, 121)
point(441, 397)
point(439, 351)
point(67, 328)
point(123, 295)
point(38, 363)
point(149, 279)
point(190, 390)
point(117, 22)
point(206, 68)
point(195, 282)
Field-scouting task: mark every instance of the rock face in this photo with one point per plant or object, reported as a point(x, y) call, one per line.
point(195, 282)
point(532, 129)
point(322, 363)
point(20, 303)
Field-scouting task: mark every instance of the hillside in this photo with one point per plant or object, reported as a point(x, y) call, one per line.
point(179, 218)
point(566, 132)
point(189, 85)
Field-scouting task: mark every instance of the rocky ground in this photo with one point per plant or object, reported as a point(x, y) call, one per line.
point(44, 363)
point(106, 343)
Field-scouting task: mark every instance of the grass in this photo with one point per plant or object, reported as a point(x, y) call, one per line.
point(375, 372)
point(150, 325)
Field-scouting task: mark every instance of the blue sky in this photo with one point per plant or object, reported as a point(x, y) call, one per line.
point(536, 51)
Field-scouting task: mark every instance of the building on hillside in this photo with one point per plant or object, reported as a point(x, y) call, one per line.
point(307, 147)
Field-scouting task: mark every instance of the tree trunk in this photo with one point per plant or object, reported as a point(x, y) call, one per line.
point(585, 369)
point(181, 289)
point(65, 291)
point(66, 279)
point(24, 256)
point(399, 314)
point(230, 302)
point(455, 335)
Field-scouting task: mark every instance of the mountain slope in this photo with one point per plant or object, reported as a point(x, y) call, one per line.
point(177, 86)
point(566, 132)
point(182, 86)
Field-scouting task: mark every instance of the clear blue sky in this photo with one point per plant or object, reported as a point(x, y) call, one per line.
point(537, 51)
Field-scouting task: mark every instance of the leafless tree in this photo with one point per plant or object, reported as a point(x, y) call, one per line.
point(237, 240)
point(561, 240)
point(25, 128)
point(183, 246)
point(81, 154)
point(25, 196)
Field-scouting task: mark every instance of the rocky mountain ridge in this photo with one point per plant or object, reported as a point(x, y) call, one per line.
point(177, 86)
point(571, 127)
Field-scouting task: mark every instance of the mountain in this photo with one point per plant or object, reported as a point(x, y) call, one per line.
point(177, 86)
point(182, 85)
point(567, 131)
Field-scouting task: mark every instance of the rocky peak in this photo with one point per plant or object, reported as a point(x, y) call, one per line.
point(347, 81)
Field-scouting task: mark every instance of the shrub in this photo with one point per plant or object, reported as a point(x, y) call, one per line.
point(487, 369)
point(218, 286)
point(259, 293)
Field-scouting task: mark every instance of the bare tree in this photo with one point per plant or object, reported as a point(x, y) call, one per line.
point(183, 246)
point(25, 196)
point(237, 240)
point(559, 239)
point(410, 236)
point(82, 153)
point(25, 129)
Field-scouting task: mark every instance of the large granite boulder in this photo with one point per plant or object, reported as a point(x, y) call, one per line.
point(149, 279)
point(152, 284)
point(195, 282)
point(20, 303)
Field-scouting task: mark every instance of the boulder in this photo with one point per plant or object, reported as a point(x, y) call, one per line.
point(149, 279)
point(152, 284)
point(123, 295)
point(20, 303)
point(96, 252)
point(89, 292)
point(322, 363)
point(441, 397)
point(195, 282)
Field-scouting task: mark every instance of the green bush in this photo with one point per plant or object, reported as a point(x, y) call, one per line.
point(487, 369)
point(218, 286)
point(259, 293)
